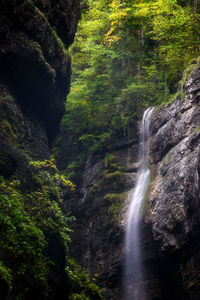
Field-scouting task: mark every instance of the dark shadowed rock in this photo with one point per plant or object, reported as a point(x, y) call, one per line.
point(34, 81)
point(34, 62)
point(34, 75)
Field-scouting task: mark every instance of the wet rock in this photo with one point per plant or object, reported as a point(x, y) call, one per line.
point(99, 231)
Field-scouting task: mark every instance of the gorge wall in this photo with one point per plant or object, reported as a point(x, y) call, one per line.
point(100, 209)
point(34, 75)
point(34, 81)
point(174, 200)
point(170, 229)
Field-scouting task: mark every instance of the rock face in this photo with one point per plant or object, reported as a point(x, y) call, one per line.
point(34, 75)
point(34, 81)
point(35, 66)
point(170, 230)
point(101, 213)
point(174, 201)
point(97, 242)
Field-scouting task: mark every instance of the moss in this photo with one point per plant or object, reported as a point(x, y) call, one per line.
point(188, 72)
point(146, 208)
point(6, 120)
point(95, 187)
point(116, 200)
point(7, 98)
point(198, 128)
point(8, 131)
point(165, 103)
point(180, 94)
point(109, 181)
point(61, 44)
point(108, 160)
point(115, 178)
point(38, 48)
point(38, 11)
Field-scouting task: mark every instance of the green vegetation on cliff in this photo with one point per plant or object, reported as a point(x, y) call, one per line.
point(31, 223)
point(34, 225)
point(126, 55)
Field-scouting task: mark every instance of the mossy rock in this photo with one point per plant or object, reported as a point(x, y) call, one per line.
point(116, 201)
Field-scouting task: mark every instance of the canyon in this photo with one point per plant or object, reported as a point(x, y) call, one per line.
point(34, 81)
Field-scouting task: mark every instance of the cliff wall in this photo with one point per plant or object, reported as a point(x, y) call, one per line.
point(100, 209)
point(34, 81)
point(170, 228)
point(97, 241)
point(34, 76)
point(35, 66)
point(174, 200)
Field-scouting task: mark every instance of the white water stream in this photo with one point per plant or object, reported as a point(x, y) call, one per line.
point(135, 290)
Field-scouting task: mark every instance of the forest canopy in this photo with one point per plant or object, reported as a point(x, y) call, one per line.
point(126, 55)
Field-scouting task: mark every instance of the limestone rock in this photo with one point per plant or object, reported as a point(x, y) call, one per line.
point(174, 201)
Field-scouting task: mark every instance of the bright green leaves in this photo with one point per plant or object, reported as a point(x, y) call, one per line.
point(23, 242)
point(49, 173)
point(126, 55)
point(119, 14)
point(176, 30)
point(32, 221)
point(28, 220)
point(47, 209)
point(81, 279)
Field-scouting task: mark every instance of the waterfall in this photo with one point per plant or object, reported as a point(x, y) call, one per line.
point(135, 290)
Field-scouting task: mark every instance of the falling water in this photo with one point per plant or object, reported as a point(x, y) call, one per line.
point(135, 290)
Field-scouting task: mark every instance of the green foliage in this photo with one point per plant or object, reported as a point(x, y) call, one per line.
point(110, 189)
point(80, 278)
point(127, 55)
point(197, 129)
point(5, 275)
point(8, 131)
point(6, 126)
point(28, 221)
point(79, 297)
point(7, 98)
point(116, 176)
point(74, 168)
point(175, 28)
point(116, 201)
point(108, 160)
point(48, 167)
point(188, 71)
point(21, 239)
